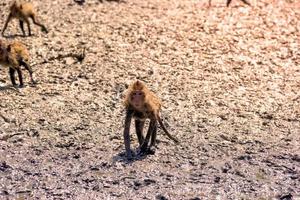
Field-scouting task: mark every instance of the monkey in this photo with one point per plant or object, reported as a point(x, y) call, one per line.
point(141, 104)
point(14, 55)
point(229, 1)
point(22, 11)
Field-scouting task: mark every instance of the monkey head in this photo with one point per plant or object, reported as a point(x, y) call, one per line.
point(136, 95)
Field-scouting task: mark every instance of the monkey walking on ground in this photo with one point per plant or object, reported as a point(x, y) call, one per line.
point(14, 55)
point(142, 104)
point(22, 11)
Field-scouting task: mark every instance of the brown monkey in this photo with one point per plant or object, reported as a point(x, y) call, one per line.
point(142, 104)
point(229, 1)
point(13, 56)
point(23, 10)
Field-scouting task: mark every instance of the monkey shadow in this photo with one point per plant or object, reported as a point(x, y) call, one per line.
point(15, 88)
point(15, 36)
point(121, 157)
point(8, 87)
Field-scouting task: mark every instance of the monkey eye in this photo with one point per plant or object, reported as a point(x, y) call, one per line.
point(137, 93)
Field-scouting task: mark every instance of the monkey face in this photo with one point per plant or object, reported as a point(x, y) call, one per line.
point(137, 99)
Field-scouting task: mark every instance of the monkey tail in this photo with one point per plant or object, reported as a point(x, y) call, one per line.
point(165, 130)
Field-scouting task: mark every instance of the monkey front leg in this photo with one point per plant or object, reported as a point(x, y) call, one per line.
point(126, 133)
point(22, 27)
point(28, 26)
point(20, 77)
point(6, 22)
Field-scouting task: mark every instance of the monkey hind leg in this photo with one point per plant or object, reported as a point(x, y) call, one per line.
point(144, 147)
point(28, 26)
point(29, 69)
point(35, 21)
point(12, 76)
point(139, 126)
point(20, 77)
point(153, 138)
point(151, 148)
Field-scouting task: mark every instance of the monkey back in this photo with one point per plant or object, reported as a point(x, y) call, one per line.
point(21, 9)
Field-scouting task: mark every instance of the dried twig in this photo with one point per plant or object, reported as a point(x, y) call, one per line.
point(7, 120)
point(78, 56)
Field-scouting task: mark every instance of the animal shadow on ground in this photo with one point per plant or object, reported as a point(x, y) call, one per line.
point(16, 35)
point(121, 157)
point(15, 88)
point(7, 87)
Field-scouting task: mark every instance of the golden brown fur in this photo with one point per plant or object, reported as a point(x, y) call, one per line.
point(18, 51)
point(142, 104)
point(14, 55)
point(11, 53)
point(22, 11)
point(151, 103)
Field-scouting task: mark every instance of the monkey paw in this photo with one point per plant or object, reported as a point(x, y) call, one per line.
point(143, 149)
point(33, 83)
point(44, 30)
point(146, 151)
point(130, 155)
point(150, 151)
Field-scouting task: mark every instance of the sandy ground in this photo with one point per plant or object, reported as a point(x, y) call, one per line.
point(229, 80)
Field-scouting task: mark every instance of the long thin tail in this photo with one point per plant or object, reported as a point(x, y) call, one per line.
point(165, 130)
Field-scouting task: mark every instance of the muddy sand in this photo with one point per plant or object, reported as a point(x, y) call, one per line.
point(229, 79)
